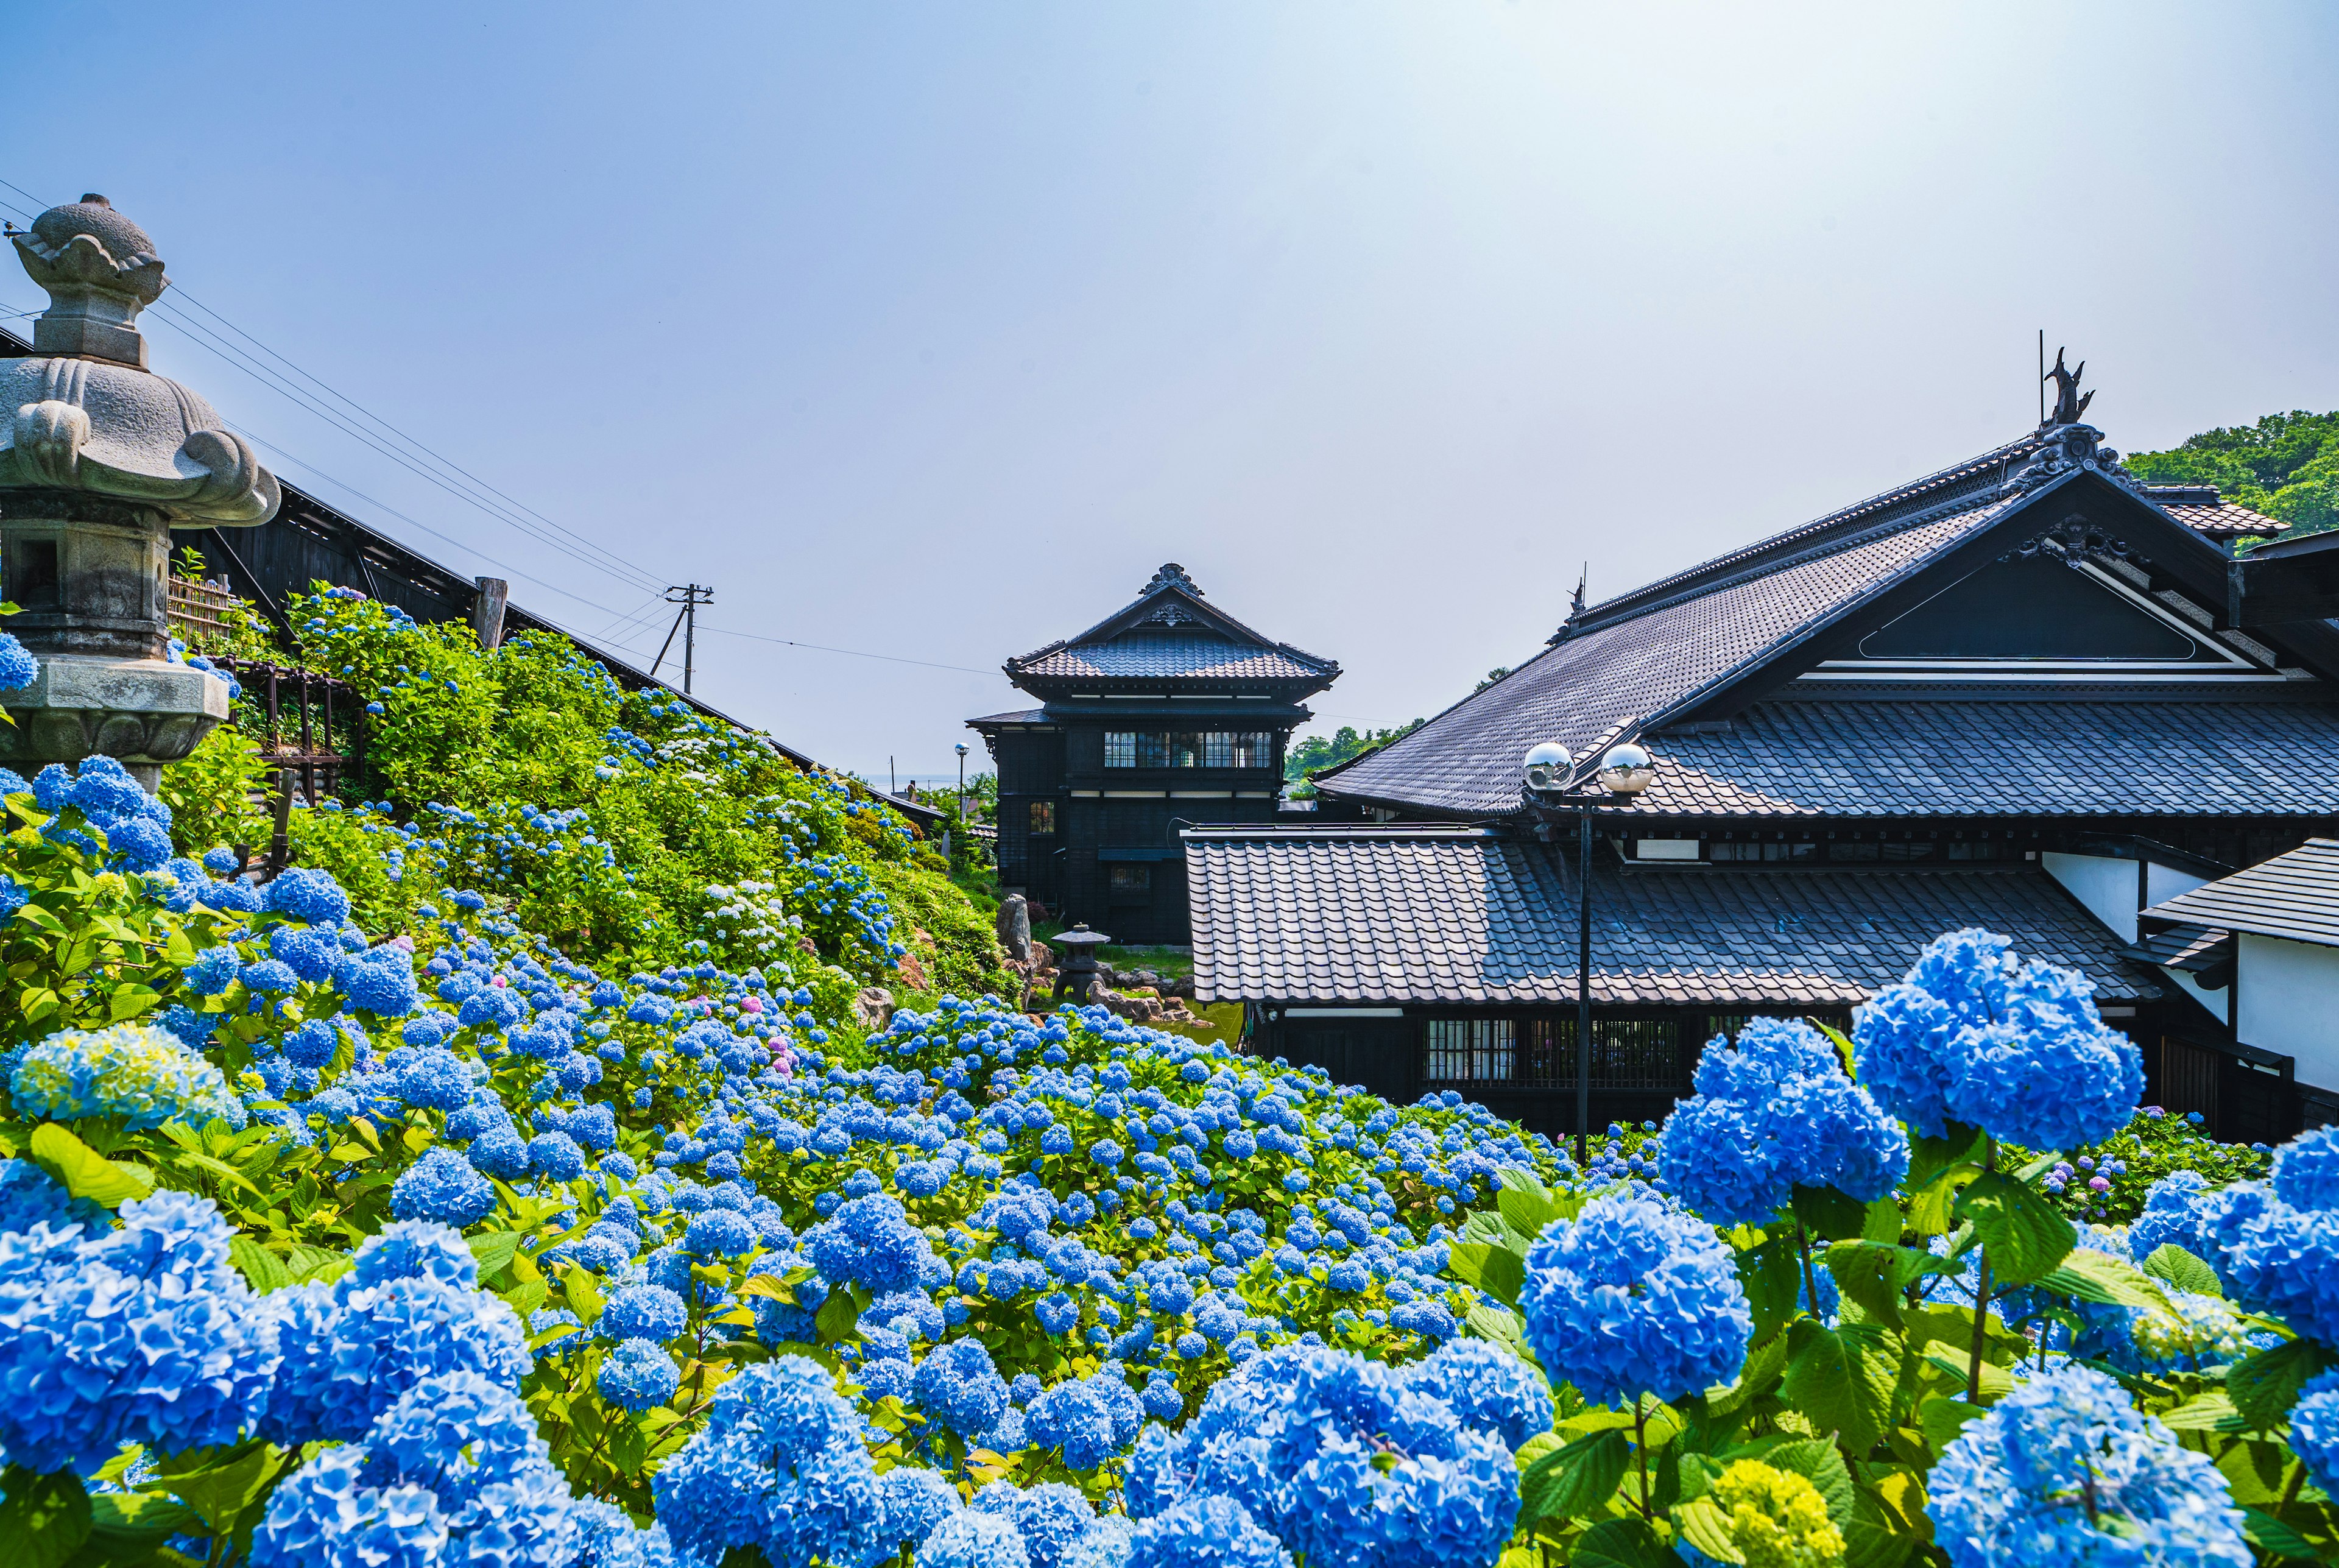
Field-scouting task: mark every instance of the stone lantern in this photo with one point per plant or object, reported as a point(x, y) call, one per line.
point(100, 459)
point(1078, 971)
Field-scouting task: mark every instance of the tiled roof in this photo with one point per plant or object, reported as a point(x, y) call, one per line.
point(1141, 657)
point(1468, 759)
point(2294, 895)
point(1839, 758)
point(2224, 520)
point(1471, 916)
point(2192, 948)
point(1633, 658)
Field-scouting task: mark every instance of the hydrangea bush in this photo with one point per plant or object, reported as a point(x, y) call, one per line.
point(476, 1252)
point(431, 1243)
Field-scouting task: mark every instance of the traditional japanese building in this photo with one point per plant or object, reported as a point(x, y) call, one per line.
point(2027, 693)
point(1167, 713)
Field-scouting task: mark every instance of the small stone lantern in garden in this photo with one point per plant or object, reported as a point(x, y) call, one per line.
point(1078, 973)
point(100, 459)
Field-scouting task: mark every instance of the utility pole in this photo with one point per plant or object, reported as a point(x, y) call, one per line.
point(685, 621)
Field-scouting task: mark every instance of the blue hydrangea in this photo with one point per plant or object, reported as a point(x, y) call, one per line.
point(2314, 1430)
point(147, 1334)
point(971, 1540)
point(869, 1241)
point(719, 1233)
point(1487, 1387)
point(30, 1197)
point(637, 1375)
point(2064, 1469)
point(17, 664)
point(350, 1349)
point(958, 1385)
point(452, 1471)
point(648, 1312)
point(307, 894)
point(442, 1186)
point(2019, 1052)
point(381, 983)
point(1771, 1113)
point(1631, 1297)
point(2278, 1260)
point(2306, 1171)
point(555, 1155)
point(1049, 1517)
point(1341, 1459)
point(2175, 1214)
point(911, 1502)
point(214, 970)
point(309, 954)
point(779, 1467)
point(1072, 1416)
point(415, 1249)
point(1205, 1532)
point(144, 1077)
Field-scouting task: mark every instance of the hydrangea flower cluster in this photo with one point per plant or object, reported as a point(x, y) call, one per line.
point(2065, 1469)
point(2276, 1243)
point(1635, 1297)
point(2018, 1049)
point(451, 1471)
point(1776, 1519)
point(132, 1074)
point(1341, 1459)
point(145, 1333)
point(780, 1468)
point(1774, 1112)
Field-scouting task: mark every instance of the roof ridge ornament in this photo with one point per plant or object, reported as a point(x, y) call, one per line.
point(1171, 576)
point(2068, 404)
point(2065, 446)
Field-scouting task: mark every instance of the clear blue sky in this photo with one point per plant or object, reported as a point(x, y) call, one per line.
point(931, 331)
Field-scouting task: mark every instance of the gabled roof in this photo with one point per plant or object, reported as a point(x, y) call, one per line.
point(1704, 642)
point(2294, 895)
point(1170, 633)
point(1468, 916)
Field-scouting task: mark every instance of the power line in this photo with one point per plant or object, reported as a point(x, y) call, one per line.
point(208, 339)
point(467, 487)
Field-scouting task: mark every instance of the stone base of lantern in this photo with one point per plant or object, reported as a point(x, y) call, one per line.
point(140, 712)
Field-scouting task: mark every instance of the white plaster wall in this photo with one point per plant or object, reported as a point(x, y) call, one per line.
point(2218, 1003)
point(2163, 882)
point(2289, 1002)
point(2106, 887)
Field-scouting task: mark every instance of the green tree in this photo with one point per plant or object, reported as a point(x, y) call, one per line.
point(2285, 465)
point(1313, 754)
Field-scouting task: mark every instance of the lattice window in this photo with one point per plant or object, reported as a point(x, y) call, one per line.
point(1472, 1050)
point(1189, 749)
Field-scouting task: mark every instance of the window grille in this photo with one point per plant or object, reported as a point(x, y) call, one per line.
point(1189, 749)
point(1132, 878)
point(1043, 816)
point(1472, 1050)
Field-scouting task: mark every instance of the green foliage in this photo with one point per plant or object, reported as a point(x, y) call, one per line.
point(624, 826)
point(212, 795)
point(2148, 1149)
point(1313, 754)
point(2285, 465)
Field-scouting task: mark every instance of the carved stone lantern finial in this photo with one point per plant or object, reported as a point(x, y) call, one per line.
point(99, 461)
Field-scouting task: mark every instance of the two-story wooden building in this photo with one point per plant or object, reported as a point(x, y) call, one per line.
point(1166, 715)
point(2027, 693)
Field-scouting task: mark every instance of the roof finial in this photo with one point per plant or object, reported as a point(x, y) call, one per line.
point(2068, 403)
point(1171, 576)
point(1583, 581)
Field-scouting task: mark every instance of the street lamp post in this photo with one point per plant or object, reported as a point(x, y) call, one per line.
point(1624, 772)
point(962, 784)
